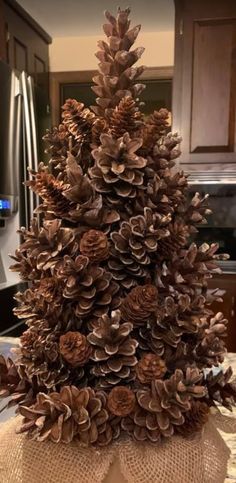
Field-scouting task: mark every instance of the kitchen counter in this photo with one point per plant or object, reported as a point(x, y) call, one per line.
point(230, 439)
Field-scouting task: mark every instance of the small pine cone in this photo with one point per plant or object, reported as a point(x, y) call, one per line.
point(71, 414)
point(150, 367)
point(94, 245)
point(140, 305)
point(121, 401)
point(194, 419)
point(114, 350)
point(126, 117)
point(75, 349)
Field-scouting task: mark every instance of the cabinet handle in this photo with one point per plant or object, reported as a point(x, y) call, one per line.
point(233, 306)
point(181, 27)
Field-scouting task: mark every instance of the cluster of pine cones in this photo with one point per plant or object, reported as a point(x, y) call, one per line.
point(121, 338)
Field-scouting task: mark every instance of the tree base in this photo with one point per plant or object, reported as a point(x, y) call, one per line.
point(199, 459)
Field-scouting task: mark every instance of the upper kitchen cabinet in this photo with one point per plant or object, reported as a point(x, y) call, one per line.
point(24, 43)
point(204, 88)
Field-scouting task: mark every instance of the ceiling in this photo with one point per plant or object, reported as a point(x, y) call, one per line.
point(69, 18)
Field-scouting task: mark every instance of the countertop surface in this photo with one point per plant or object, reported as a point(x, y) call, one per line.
point(230, 439)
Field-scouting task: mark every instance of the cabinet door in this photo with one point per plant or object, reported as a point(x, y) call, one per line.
point(27, 44)
point(205, 84)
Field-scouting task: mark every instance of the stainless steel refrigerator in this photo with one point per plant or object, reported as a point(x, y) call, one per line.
point(23, 107)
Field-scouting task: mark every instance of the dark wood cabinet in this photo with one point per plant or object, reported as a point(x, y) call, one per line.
point(204, 87)
point(227, 283)
point(24, 43)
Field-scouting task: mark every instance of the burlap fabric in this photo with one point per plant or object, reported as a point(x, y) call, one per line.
point(199, 459)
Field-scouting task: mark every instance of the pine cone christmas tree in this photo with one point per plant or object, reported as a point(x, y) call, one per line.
point(121, 337)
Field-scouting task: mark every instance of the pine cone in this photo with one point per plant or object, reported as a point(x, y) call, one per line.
point(118, 170)
point(87, 205)
point(162, 408)
point(140, 305)
point(94, 245)
point(116, 75)
point(77, 414)
point(74, 348)
point(57, 141)
point(134, 244)
point(157, 125)
point(78, 119)
point(15, 385)
point(40, 357)
point(51, 191)
point(194, 419)
point(126, 117)
point(9, 377)
point(99, 127)
point(209, 348)
point(42, 246)
point(121, 401)
point(114, 351)
point(178, 237)
point(90, 287)
point(221, 388)
point(150, 367)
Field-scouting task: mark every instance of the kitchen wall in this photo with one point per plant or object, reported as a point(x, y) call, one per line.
point(77, 53)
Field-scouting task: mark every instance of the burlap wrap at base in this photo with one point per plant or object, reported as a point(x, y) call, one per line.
point(200, 459)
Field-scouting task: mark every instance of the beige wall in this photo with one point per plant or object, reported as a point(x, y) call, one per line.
point(77, 53)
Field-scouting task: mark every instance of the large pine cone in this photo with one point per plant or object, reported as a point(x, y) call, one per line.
point(114, 351)
point(74, 348)
point(42, 246)
point(78, 414)
point(118, 170)
point(94, 245)
point(140, 305)
point(15, 385)
point(162, 408)
point(150, 367)
point(90, 287)
point(87, 205)
point(116, 77)
point(135, 245)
